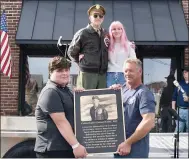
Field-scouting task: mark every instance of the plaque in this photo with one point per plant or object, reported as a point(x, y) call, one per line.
point(99, 120)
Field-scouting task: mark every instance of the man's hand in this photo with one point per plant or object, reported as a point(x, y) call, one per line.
point(115, 87)
point(186, 98)
point(107, 41)
point(80, 152)
point(81, 56)
point(133, 45)
point(174, 105)
point(79, 89)
point(124, 148)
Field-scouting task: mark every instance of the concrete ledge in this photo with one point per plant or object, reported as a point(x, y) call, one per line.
point(17, 134)
point(18, 123)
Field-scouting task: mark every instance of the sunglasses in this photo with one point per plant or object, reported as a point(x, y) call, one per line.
point(98, 15)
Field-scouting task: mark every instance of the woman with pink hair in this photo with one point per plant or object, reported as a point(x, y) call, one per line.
point(120, 48)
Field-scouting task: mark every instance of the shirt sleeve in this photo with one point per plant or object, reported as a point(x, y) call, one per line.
point(174, 97)
point(132, 53)
point(147, 103)
point(75, 47)
point(50, 102)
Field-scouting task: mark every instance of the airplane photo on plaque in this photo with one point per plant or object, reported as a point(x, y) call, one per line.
point(99, 121)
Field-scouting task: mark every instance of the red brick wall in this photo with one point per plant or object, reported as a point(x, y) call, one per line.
point(9, 87)
point(185, 4)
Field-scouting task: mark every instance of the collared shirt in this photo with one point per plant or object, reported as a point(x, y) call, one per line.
point(52, 99)
point(178, 96)
point(97, 30)
point(137, 102)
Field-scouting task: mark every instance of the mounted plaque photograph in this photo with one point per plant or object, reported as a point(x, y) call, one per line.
point(99, 120)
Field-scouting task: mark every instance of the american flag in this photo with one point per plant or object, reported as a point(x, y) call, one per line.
point(5, 57)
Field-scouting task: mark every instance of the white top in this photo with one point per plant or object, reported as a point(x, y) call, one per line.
point(117, 58)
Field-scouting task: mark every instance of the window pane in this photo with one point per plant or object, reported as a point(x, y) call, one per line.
point(159, 74)
point(39, 67)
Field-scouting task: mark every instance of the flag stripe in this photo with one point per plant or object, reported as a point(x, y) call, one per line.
point(5, 64)
point(5, 58)
point(5, 55)
point(8, 70)
point(3, 36)
point(4, 41)
point(4, 51)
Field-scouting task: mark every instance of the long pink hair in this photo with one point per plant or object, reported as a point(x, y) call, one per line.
point(124, 40)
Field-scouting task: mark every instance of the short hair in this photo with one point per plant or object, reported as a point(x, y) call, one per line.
point(58, 62)
point(132, 60)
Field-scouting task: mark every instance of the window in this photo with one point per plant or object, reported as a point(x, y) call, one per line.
point(156, 71)
point(158, 76)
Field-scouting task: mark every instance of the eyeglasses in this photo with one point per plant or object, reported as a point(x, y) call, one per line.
point(98, 15)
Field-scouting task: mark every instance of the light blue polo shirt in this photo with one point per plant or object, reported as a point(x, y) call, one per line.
point(137, 102)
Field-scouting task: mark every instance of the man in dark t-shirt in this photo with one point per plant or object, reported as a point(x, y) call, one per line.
point(137, 102)
point(139, 112)
point(55, 116)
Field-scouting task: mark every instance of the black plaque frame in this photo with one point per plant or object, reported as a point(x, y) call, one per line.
point(84, 130)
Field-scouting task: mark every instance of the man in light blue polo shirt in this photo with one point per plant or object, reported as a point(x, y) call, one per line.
point(139, 112)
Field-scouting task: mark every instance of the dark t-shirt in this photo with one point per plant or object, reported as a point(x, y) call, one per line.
point(53, 99)
point(137, 102)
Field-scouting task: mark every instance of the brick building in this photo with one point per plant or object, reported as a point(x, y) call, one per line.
point(25, 39)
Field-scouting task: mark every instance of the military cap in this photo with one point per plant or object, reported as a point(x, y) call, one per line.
point(95, 97)
point(96, 7)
